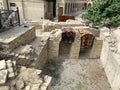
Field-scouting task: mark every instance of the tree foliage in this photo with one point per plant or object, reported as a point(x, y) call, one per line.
point(102, 10)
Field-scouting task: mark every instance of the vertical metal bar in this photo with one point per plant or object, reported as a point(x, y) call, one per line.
point(18, 16)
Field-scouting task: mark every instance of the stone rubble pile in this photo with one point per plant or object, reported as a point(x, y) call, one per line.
point(25, 55)
point(21, 78)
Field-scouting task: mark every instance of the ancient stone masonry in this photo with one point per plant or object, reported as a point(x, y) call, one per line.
point(17, 67)
point(13, 38)
point(54, 41)
point(49, 26)
point(110, 56)
point(13, 77)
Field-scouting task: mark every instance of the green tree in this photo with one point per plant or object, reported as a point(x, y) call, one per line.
point(102, 10)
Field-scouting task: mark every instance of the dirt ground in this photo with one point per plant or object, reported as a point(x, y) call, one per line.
point(77, 74)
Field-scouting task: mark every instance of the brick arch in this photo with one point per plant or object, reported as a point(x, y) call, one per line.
point(87, 38)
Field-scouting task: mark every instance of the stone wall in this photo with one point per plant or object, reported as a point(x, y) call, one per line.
point(95, 51)
point(110, 57)
point(49, 26)
point(15, 37)
point(43, 57)
point(26, 79)
point(75, 49)
point(54, 42)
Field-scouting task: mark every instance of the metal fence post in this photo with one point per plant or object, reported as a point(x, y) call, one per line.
point(18, 16)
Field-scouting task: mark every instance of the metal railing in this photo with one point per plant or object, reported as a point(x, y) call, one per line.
point(9, 19)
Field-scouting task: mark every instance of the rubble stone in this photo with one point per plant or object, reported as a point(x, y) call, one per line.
point(11, 75)
point(20, 84)
point(27, 88)
point(2, 64)
point(35, 87)
point(4, 88)
point(10, 70)
point(30, 75)
point(3, 76)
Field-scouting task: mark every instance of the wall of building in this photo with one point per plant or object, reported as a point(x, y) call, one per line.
point(3, 4)
point(29, 9)
point(70, 7)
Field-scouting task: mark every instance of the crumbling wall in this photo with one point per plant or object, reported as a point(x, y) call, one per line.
point(49, 26)
point(95, 51)
point(42, 57)
point(54, 42)
point(110, 56)
point(75, 49)
point(13, 77)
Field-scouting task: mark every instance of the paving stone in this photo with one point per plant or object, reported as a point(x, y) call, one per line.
point(2, 64)
point(3, 76)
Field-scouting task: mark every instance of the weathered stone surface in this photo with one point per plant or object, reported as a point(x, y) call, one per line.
point(30, 75)
point(35, 87)
point(20, 84)
point(2, 64)
point(4, 88)
point(27, 88)
point(110, 58)
point(3, 76)
point(11, 75)
point(15, 37)
point(47, 80)
point(10, 69)
point(9, 63)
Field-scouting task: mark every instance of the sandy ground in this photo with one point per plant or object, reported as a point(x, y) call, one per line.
point(80, 74)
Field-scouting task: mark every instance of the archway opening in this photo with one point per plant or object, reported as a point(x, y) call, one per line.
point(68, 37)
point(87, 39)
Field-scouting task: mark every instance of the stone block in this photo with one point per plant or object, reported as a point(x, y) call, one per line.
point(9, 63)
point(2, 64)
point(27, 88)
point(20, 84)
point(35, 87)
point(4, 88)
point(11, 75)
point(3, 76)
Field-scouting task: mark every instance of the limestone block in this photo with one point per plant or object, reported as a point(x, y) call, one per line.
point(20, 84)
point(4, 88)
point(27, 88)
point(30, 75)
point(2, 64)
point(10, 70)
point(96, 49)
point(35, 87)
point(11, 75)
point(45, 85)
point(9, 63)
point(3, 76)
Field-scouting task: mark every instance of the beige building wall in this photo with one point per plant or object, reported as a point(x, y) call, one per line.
point(28, 9)
point(39, 9)
point(3, 4)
